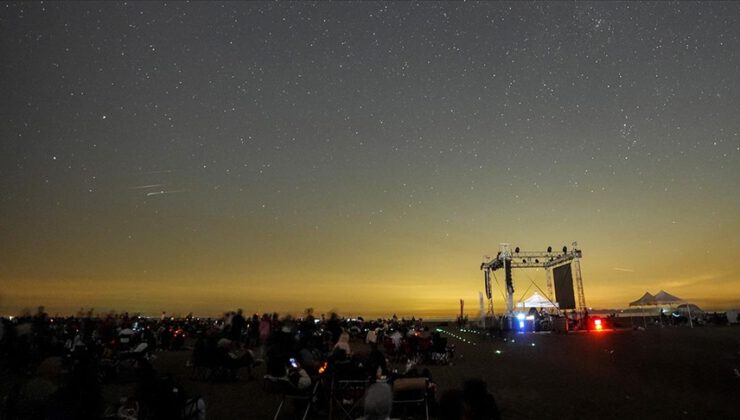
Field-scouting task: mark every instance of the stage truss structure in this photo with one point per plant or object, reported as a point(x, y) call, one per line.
point(507, 260)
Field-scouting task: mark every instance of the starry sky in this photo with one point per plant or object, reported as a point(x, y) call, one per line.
point(363, 157)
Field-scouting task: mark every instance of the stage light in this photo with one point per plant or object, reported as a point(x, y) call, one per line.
point(549, 249)
point(597, 324)
point(520, 316)
point(521, 324)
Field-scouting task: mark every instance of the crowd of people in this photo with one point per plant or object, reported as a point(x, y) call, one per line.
point(64, 362)
point(314, 356)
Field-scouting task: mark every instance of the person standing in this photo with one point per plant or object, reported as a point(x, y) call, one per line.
point(253, 331)
point(265, 330)
point(237, 325)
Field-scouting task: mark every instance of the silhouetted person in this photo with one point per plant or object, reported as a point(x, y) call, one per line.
point(237, 326)
point(253, 332)
point(451, 405)
point(479, 403)
point(334, 327)
point(376, 363)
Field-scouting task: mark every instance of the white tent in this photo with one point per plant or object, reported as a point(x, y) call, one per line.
point(646, 299)
point(662, 298)
point(686, 308)
point(665, 298)
point(733, 316)
point(537, 301)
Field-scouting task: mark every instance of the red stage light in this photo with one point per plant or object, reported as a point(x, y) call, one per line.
point(597, 324)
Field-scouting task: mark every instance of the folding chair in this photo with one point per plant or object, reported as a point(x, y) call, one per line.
point(347, 394)
point(411, 391)
point(288, 391)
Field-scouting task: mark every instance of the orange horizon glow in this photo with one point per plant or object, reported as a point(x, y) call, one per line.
point(422, 293)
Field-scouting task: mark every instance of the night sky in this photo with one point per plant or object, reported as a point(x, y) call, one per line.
point(363, 157)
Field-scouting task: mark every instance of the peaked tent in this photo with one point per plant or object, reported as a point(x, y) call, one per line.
point(646, 299)
point(661, 298)
point(536, 301)
point(665, 298)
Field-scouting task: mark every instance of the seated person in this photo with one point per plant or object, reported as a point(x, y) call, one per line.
point(378, 402)
point(377, 365)
point(310, 359)
point(372, 336)
point(293, 374)
point(396, 338)
point(451, 405)
point(479, 403)
point(230, 357)
point(297, 375)
point(343, 344)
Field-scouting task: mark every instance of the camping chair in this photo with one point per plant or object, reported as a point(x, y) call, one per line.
point(411, 391)
point(347, 394)
point(288, 391)
point(194, 409)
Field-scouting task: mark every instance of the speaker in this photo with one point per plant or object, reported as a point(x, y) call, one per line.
point(509, 281)
point(487, 275)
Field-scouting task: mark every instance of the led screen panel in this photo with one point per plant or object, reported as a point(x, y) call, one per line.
point(564, 287)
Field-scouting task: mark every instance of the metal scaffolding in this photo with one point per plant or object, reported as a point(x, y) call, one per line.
point(549, 259)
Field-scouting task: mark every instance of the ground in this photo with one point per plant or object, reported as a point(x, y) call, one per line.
point(669, 373)
point(658, 373)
